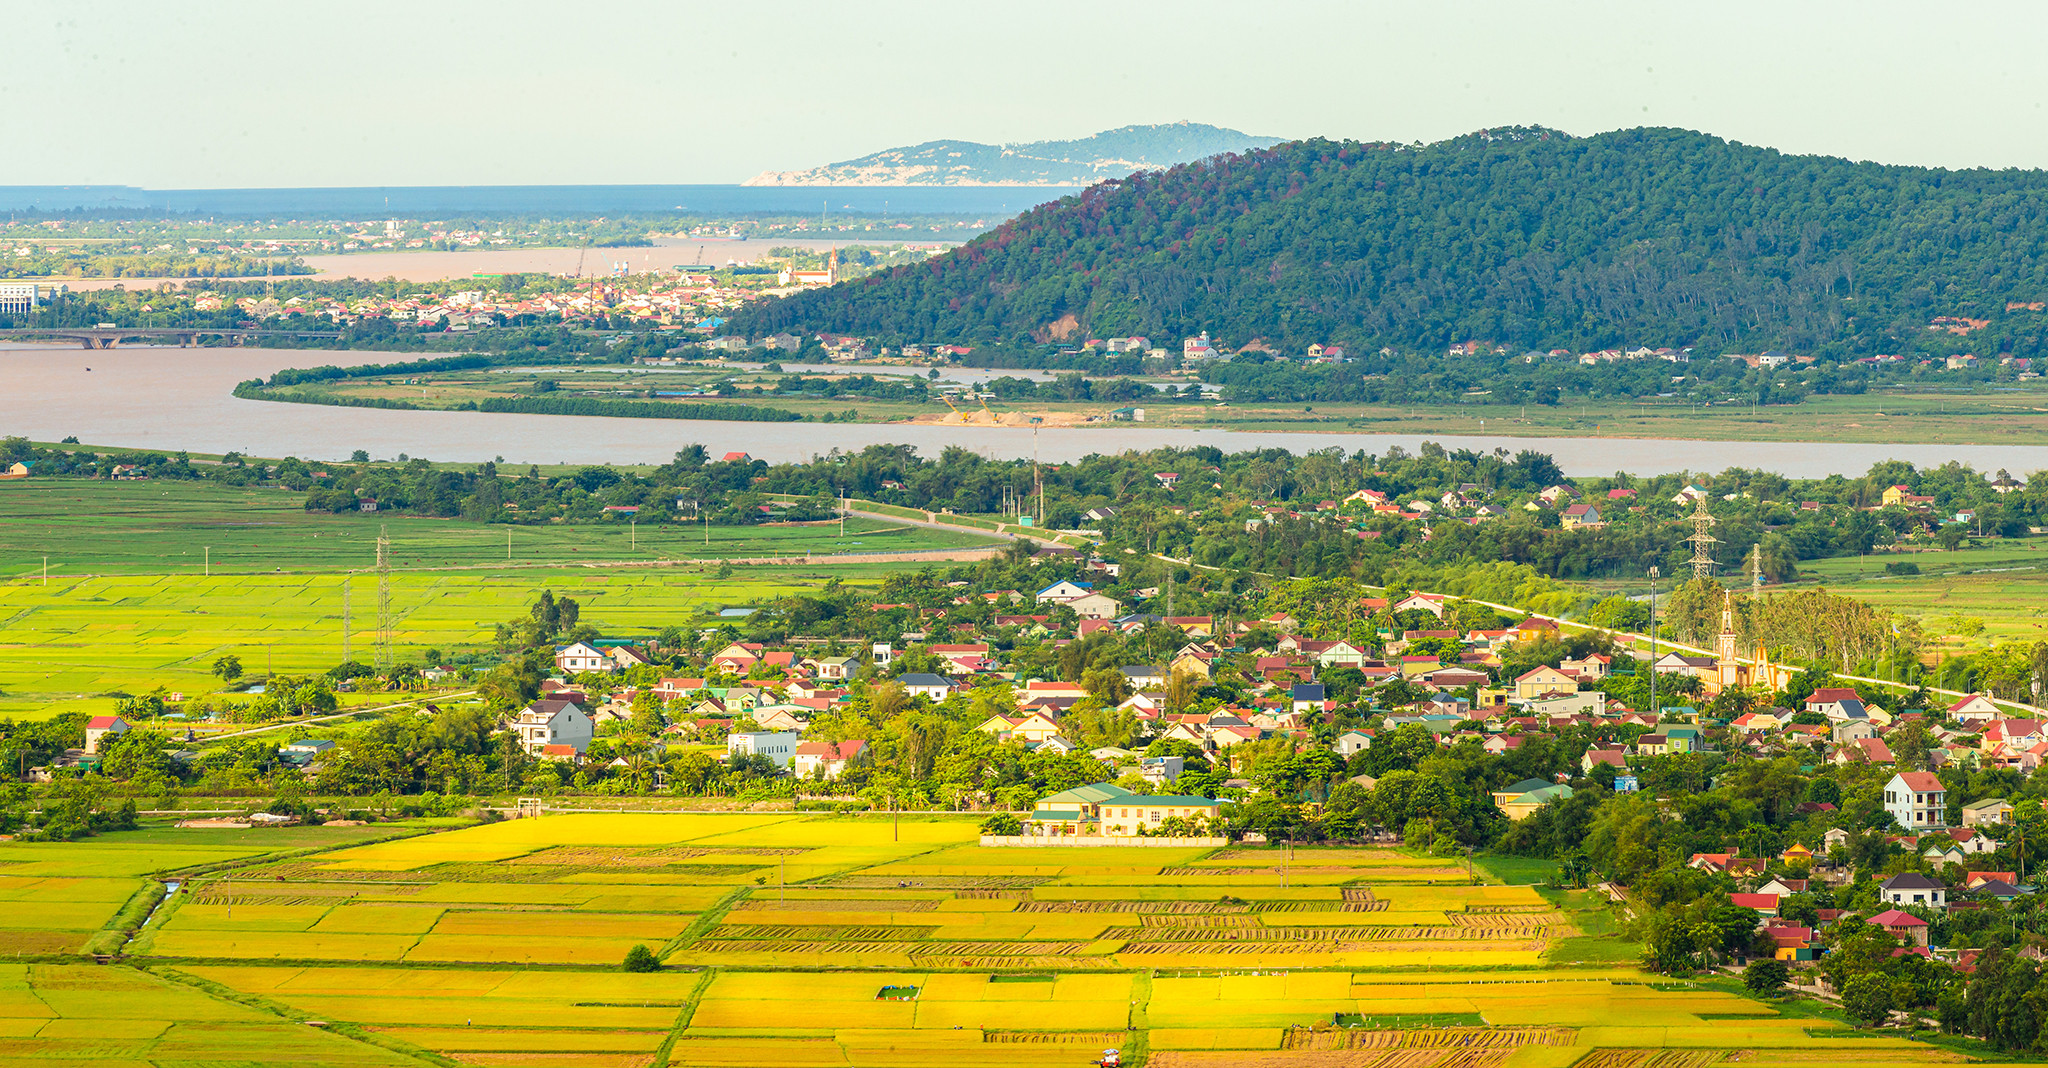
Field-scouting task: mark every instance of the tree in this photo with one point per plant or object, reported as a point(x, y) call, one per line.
point(1766, 977)
point(1868, 998)
point(641, 959)
point(227, 668)
point(1002, 823)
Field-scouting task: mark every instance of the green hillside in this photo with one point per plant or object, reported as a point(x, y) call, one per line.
point(1525, 237)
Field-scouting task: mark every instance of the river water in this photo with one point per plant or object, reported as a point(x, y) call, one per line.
point(169, 398)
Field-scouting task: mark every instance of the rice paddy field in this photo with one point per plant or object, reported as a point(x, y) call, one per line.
point(150, 527)
point(836, 941)
point(65, 644)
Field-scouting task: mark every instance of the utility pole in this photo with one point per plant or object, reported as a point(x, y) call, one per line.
point(633, 535)
point(1653, 639)
point(345, 584)
point(209, 561)
point(46, 571)
point(508, 544)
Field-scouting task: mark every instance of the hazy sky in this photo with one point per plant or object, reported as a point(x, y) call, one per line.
point(371, 92)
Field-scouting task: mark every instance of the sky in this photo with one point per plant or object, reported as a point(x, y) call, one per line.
point(231, 93)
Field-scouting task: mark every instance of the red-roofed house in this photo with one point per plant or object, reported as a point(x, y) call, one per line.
point(99, 727)
point(1917, 800)
point(1903, 924)
point(1764, 904)
point(827, 760)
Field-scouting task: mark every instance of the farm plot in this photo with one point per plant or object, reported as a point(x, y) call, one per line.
point(78, 1014)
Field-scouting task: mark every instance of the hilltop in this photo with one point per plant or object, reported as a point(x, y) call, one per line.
point(1524, 237)
point(1110, 154)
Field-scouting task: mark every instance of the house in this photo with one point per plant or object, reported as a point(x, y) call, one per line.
point(1544, 679)
point(582, 656)
point(1581, 515)
point(827, 760)
point(1797, 854)
point(1030, 728)
point(1527, 796)
point(1593, 668)
point(1764, 904)
point(1989, 812)
point(838, 668)
point(1112, 810)
point(1161, 770)
point(1970, 841)
point(1835, 838)
point(1616, 758)
point(1783, 887)
point(781, 717)
point(1144, 676)
point(1913, 888)
point(1974, 709)
point(99, 727)
point(560, 754)
point(1902, 924)
point(925, 684)
point(1917, 801)
point(778, 746)
point(1308, 697)
point(1094, 606)
point(1353, 742)
point(1422, 602)
point(1060, 592)
point(551, 722)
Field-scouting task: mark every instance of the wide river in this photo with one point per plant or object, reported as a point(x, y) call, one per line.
point(169, 398)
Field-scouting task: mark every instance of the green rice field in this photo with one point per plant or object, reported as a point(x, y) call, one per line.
point(169, 528)
point(840, 941)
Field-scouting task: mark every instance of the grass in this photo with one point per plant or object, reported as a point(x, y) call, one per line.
point(2011, 416)
point(79, 638)
point(1516, 871)
point(1999, 585)
point(175, 528)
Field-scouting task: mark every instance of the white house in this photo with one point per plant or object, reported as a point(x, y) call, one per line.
point(1094, 606)
point(1060, 591)
point(1974, 709)
point(778, 746)
point(1918, 801)
point(925, 684)
point(582, 656)
point(1913, 888)
point(98, 728)
point(1351, 742)
point(546, 722)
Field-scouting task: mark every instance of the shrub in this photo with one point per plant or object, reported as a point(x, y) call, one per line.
point(641, 959)
point(1002, 823)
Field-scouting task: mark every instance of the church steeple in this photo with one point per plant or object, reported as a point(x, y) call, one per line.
point(1724, 646)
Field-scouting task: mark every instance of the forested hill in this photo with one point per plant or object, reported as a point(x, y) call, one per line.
point(1528, 238)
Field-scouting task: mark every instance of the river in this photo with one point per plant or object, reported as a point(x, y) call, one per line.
point(169, 398)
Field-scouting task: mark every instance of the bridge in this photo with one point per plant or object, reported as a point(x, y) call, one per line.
point(106, 337)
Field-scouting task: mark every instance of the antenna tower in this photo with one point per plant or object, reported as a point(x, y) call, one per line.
point(383, 600)
point(1701, 538)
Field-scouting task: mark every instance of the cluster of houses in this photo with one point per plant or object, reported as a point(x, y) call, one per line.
point(1901, 897)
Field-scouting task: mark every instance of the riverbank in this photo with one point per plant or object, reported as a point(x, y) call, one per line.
point(182, 399)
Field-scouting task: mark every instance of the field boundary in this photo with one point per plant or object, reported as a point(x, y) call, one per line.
point(1092, 840)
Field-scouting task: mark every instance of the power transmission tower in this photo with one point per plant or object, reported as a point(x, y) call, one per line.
point(1701, 539)
point(1756, 569)
point(383, 600)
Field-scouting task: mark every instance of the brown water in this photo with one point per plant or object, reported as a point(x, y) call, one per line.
point(169, 398)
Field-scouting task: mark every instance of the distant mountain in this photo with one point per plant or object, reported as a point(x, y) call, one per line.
point(1110, 154)
point(1522, 237)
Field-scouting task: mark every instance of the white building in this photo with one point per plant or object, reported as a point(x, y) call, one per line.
point(778, 746)
point(18, 298)
point(1918, 801)
point(582, 656)
point(545, 723)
